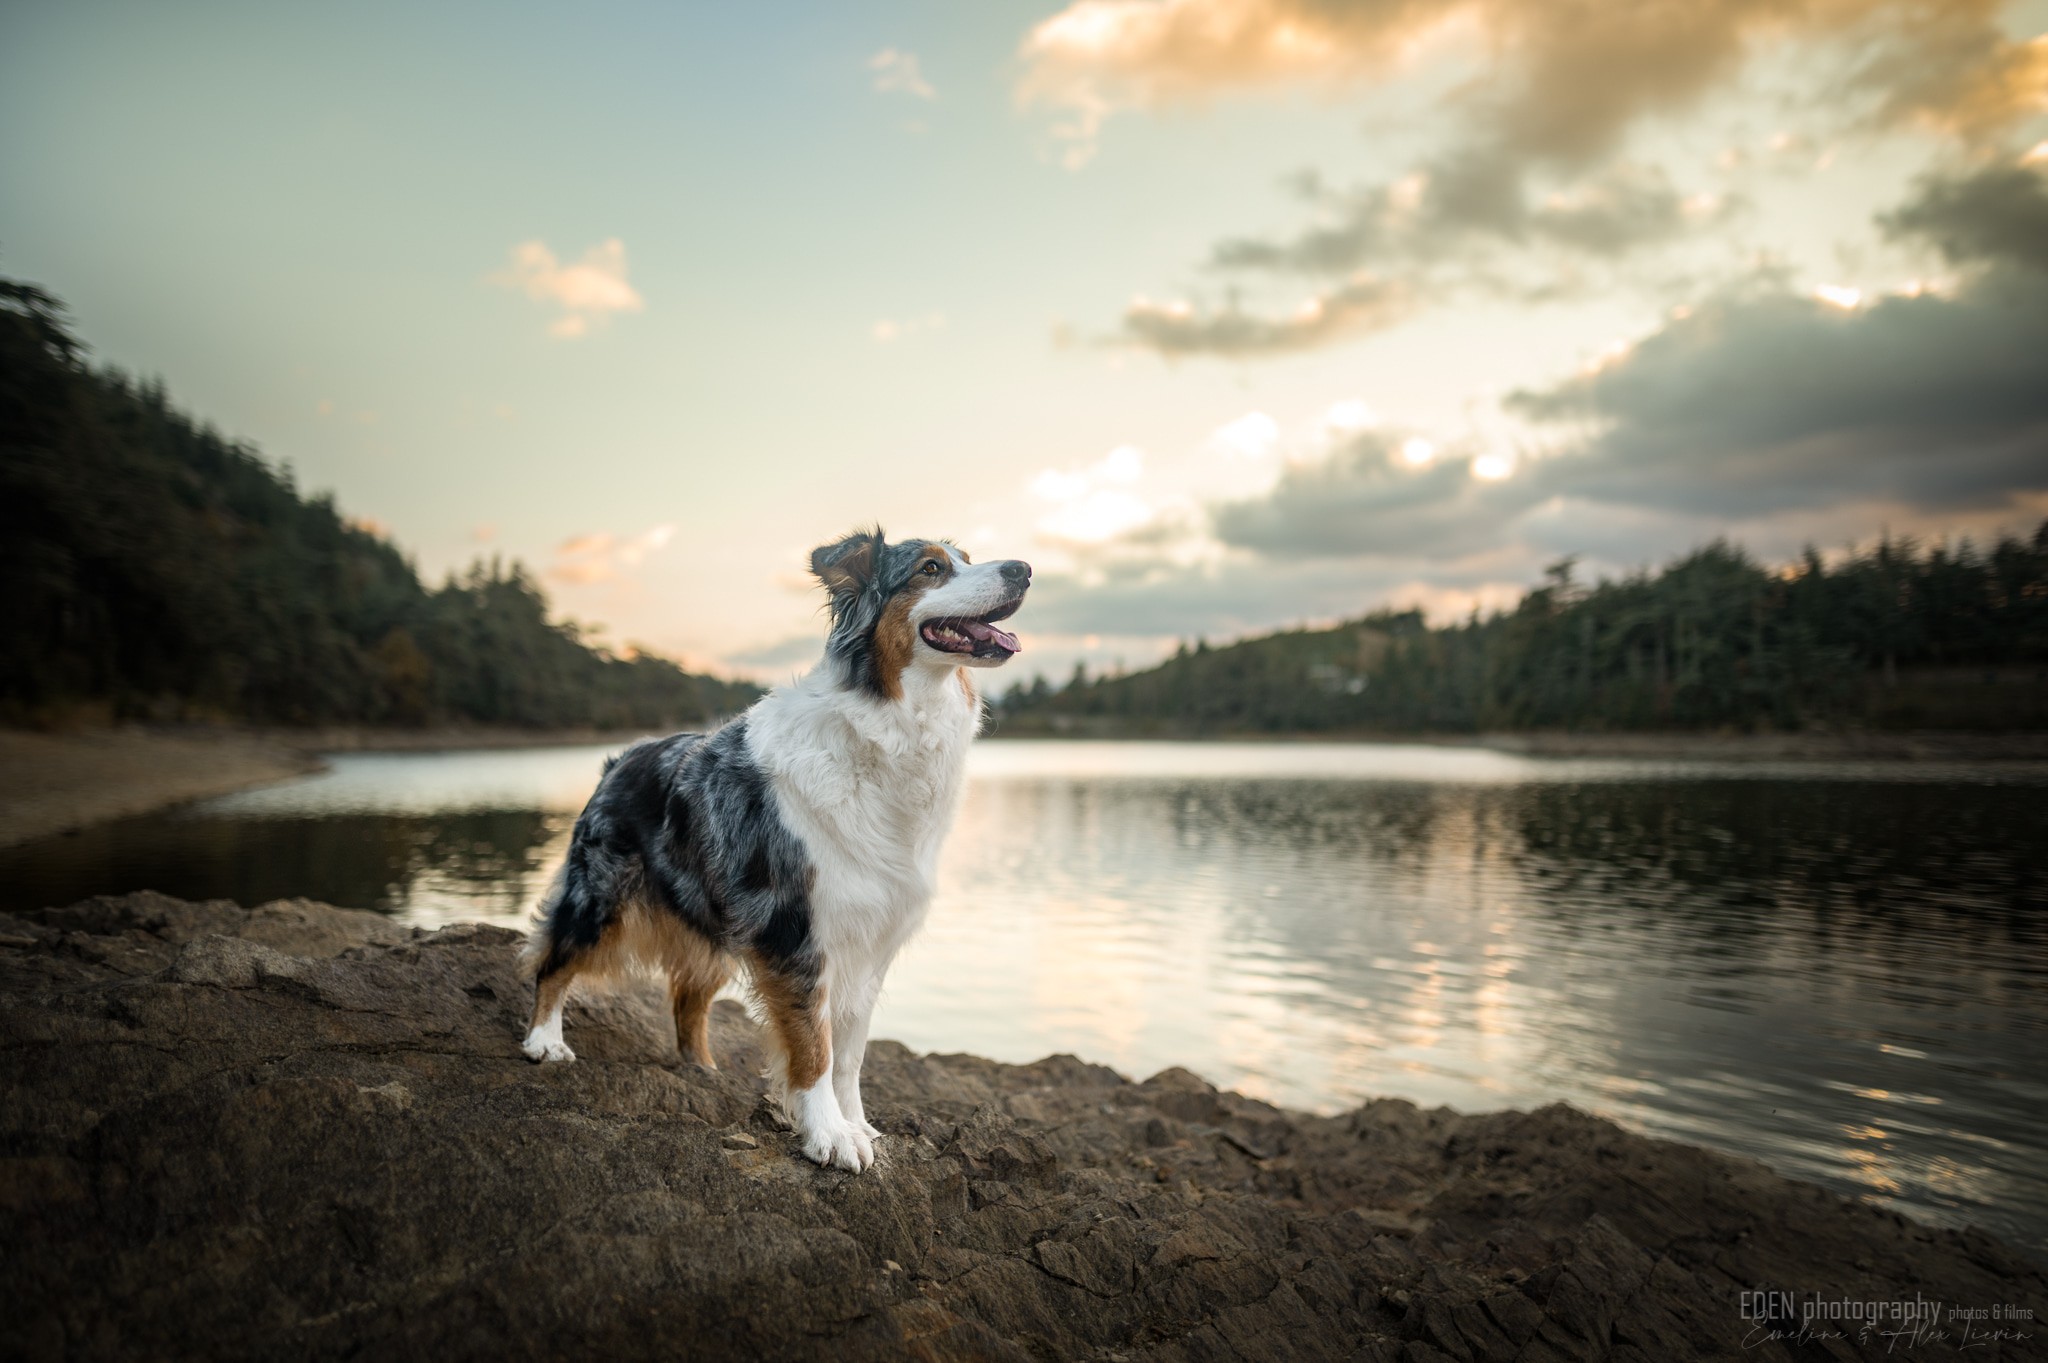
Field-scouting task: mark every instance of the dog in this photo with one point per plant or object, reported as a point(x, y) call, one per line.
point(798, 844)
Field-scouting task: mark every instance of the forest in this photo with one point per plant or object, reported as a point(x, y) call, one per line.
point(1900, 635)
point(152, 569)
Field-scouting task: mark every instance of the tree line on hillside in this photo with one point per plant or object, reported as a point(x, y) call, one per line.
point(151, 568)
point(1901, 635)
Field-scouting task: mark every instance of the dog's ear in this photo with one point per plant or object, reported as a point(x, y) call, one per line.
point(847, 567)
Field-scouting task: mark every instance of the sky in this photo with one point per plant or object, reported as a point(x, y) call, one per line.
point(1228, 315)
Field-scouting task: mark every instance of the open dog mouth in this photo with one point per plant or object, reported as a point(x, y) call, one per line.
point(975, 635)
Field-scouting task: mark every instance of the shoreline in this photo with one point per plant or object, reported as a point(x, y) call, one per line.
point(56, 783)
point(1866, 745)
point(358, 1086)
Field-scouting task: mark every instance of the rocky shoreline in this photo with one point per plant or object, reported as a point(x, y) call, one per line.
point(301, 1131)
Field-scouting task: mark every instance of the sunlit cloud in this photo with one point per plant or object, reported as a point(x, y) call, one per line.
point(889, 329)
point(899, 73)
point(1251, 436)
point(1096, 502)
point(1842, 296)
point(588, 292)
point(1364, 304)
point(599, 556)
point(1555, 86)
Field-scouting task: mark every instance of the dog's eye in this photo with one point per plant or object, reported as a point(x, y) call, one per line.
point(931, 567)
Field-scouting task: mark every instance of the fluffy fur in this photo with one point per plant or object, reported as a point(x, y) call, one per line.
point(797, 845)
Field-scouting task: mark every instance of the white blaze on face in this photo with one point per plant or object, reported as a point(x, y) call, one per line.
point(974, 590)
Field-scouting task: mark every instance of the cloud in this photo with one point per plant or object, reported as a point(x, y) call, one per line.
point(1360, 305)
point(1095, 503)
point(889, 329)
point(1761, 404)
point(1957, 73)
point(587, 292)
point(1998, 212)
point(1460, 208)
point(898, 73)
point(1381, 495)
point(1766, 401)
point(582, 560)
point(1529, 182)
point(1246, 594)
point(1561, 81)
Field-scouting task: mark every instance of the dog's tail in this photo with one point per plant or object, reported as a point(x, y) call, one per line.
point(544, 953)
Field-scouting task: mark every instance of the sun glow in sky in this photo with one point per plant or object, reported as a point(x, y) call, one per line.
point(1228, 314)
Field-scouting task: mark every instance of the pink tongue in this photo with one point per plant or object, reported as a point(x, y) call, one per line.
point(989, 634)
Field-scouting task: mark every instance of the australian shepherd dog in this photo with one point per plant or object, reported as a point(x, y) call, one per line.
point(797, 845)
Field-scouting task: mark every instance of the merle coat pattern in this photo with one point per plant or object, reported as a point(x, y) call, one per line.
point(797, 844)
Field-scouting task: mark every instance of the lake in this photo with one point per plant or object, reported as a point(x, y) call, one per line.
point(1835, 968)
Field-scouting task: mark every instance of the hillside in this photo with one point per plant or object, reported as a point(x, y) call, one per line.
point(153, 569)
point(1901, 636)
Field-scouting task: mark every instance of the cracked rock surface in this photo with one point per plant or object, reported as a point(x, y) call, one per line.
point(296, 1131)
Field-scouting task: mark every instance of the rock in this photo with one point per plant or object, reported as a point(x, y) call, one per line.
point(297, 1131)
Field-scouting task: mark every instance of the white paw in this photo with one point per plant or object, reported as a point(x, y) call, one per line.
point(869, 1127)
point(840, 1143)
point(544, 1051)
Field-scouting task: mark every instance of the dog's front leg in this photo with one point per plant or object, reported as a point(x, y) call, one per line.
point(796, 1004)
point(849, 1051)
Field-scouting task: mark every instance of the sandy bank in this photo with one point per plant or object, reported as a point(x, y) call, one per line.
point(297, 1131)
point(52, 783)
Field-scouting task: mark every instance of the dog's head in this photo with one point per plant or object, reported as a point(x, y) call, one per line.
point(915, 603)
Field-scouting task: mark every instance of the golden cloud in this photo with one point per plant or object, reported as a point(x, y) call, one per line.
point(1563, 79)
point(587, 291)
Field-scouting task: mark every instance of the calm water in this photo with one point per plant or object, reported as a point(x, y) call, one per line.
point(1835, 968)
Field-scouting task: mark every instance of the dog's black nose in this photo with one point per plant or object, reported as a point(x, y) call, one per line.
point(1017, 572)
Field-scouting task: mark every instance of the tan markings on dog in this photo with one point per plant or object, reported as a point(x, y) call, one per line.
point(643, 937)
point(895, 636)
point(938, 551)
point(966, 683)
point(549, 992)
point(796, 1010)
point(696, 971)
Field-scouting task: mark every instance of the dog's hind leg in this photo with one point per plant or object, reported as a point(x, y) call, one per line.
point(544, 1035)
point(696, 971)
point(572, 935)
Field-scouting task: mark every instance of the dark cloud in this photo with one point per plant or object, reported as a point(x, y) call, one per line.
point(1462, 208)
point(1768, 402)
point(1222, 600)
point(1366, 500)
point(1996, 213)
point(1353, 308)
point(1759, 404)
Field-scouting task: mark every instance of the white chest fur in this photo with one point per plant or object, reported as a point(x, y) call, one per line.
point(871, 787)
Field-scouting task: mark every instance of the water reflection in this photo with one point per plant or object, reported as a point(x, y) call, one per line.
point(1835, 969)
